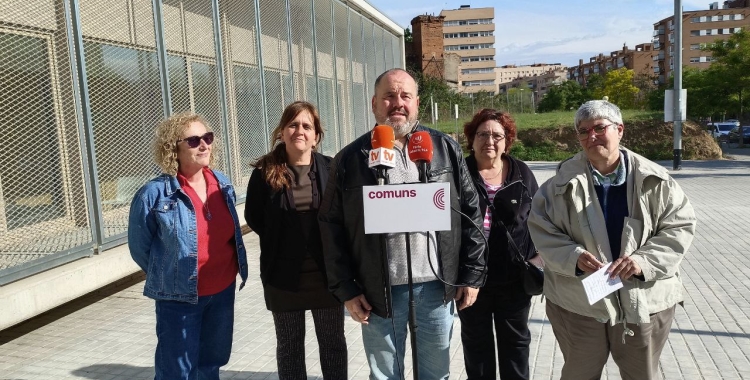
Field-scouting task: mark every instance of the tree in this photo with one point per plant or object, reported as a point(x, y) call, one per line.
point(647, 85)
point(440, 92)
point(618, 86)
point(731, 67)
point(561, 97)
point(593, 87)
point(408, 37)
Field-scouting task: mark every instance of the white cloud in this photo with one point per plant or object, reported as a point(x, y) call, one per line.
point(557, 31)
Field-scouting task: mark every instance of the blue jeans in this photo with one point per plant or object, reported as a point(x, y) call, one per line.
point(194, 340)
point(385, 339)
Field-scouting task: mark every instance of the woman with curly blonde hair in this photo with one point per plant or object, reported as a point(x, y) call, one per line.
point(184, 232)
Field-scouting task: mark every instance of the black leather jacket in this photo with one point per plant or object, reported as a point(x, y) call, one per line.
point(357, 263)
point(512, 205)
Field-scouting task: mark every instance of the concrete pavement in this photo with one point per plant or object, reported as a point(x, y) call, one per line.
point(110, 335)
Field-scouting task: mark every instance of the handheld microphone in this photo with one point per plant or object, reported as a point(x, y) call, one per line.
point(382, 156)
point(420, 152)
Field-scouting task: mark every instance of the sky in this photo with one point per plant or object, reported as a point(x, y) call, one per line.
point(554, 31)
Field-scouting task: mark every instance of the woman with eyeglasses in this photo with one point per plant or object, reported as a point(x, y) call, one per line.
point(283, 196)
point(183, 231)
point(505, 186)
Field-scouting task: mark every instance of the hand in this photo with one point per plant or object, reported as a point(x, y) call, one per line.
point(465, 296)
point(625, 267)
point(358, 308)
point(588, 263)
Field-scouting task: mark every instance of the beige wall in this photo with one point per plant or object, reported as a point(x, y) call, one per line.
point(665, 39)
point(472, 14)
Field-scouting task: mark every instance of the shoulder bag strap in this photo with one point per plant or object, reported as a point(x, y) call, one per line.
point(519, 257)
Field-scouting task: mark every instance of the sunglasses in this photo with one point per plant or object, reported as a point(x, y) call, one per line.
point(195, 141)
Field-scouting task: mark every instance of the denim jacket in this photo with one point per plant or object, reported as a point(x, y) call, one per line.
point(163, 241)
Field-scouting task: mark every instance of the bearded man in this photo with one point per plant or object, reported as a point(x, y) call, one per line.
point(368, 273)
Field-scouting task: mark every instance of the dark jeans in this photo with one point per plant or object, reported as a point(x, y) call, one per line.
point(508, 307)
point(194, 340)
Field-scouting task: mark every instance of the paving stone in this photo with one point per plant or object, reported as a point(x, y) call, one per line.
point(113, 338)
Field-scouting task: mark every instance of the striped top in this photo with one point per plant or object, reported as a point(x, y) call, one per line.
point(491, 191)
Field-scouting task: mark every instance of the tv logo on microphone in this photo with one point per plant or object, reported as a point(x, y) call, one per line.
point(388, 156)
point(382, 157)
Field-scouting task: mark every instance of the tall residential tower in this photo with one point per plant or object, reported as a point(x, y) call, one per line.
point(470, 33)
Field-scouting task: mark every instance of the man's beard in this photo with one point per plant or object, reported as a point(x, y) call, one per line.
point(401, 129)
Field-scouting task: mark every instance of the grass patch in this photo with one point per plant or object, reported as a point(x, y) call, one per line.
point(551, 137)
point(545, 120)
point(546, 151)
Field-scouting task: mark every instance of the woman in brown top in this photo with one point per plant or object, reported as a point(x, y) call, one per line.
point(283, 197)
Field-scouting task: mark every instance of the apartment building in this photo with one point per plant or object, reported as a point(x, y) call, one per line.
point(698, 29)
point(640, 60)
point(537, 78)
point(511, 73)
point(470, 33)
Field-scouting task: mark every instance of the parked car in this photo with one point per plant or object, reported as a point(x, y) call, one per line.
point(721, 131)
point(734, 134)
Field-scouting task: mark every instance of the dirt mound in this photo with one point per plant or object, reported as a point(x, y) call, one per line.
point(650, 138)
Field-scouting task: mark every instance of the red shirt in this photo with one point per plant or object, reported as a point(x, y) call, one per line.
point(217, 256)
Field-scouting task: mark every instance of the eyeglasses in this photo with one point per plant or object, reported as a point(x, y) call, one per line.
point(483, 136)
point(194, 141)
point(599, 130)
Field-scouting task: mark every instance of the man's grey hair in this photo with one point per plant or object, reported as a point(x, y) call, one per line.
point(380, 78)
point(598, 109)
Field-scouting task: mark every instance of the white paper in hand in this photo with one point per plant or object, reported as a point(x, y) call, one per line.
point(598, 285)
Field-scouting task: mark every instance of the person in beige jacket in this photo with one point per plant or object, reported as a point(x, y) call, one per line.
point(608, 204)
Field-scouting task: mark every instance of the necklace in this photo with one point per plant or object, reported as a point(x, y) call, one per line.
point(494, 176)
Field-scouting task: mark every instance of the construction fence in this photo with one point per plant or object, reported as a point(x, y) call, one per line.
point(84, 82)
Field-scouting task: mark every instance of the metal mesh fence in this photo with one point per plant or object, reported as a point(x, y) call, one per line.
point(188, 36)
point(275, 49)
point(359, 89)
point(396, 51)
point(43, 208)
point(303, 53)
point(343, 73)
point(388, 51)
point(378, 49)
point(78, 111)
point(369, 63)
point(125, 101)
point(244, 87)
point(326, 74)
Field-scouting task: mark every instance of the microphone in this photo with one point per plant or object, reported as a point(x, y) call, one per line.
point(382, 156)
point(420, 152)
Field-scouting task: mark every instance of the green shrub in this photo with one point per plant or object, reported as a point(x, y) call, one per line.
point(546, 151)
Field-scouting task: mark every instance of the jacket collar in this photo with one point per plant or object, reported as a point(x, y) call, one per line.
point(577, 167)
point(172, 185)
point(515, 172)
